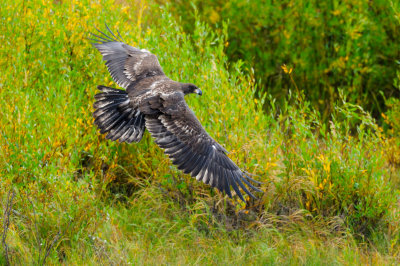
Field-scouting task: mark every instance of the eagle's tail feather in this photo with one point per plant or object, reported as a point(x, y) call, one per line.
point(114, 116)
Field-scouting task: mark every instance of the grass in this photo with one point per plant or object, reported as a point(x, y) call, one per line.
point(331, 190)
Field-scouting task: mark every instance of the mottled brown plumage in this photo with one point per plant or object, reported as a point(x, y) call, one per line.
point(151, 100)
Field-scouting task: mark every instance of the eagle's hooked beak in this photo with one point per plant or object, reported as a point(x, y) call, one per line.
point(198, 91)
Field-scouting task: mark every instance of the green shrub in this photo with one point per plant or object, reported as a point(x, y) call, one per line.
point(83, 199)
point(349, 45)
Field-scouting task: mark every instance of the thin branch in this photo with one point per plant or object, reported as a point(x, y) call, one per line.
point(36, 228)
point(55, 239)
point(6, 223)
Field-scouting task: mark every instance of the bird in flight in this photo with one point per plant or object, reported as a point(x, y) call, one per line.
point(150, 100)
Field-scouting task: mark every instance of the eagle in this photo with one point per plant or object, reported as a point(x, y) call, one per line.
point(150, 100)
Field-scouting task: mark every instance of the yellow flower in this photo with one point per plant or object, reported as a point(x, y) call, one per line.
point(286, 70)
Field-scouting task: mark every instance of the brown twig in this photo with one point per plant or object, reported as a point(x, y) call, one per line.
point(38, 238)
point(48, 249)
point(6, 223)
point(36, 228)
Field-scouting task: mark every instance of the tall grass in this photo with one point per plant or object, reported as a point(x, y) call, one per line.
point(79, 198)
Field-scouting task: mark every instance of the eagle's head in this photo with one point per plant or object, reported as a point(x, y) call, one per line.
point(191, 88)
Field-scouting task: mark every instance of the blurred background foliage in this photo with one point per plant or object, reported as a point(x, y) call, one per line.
point(331, 177)
point(350, 45)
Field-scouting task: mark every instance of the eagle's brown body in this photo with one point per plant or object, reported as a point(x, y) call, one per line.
point(151, 100)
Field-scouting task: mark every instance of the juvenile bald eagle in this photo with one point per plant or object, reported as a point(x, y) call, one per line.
point(151, 100)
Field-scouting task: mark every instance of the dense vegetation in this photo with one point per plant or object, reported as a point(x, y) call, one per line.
point(333, 45)
point(331, 179)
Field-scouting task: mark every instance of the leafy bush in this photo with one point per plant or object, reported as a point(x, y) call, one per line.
point(333, 45)
point(82, 199)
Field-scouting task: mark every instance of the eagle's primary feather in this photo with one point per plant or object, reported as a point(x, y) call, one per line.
point(151, 100)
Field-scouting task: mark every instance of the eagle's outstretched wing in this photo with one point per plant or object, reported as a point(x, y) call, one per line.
point(125, 63)
point(177, 130)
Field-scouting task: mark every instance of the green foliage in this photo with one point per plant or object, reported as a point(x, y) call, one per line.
point(81, 199)
point(332, 45)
